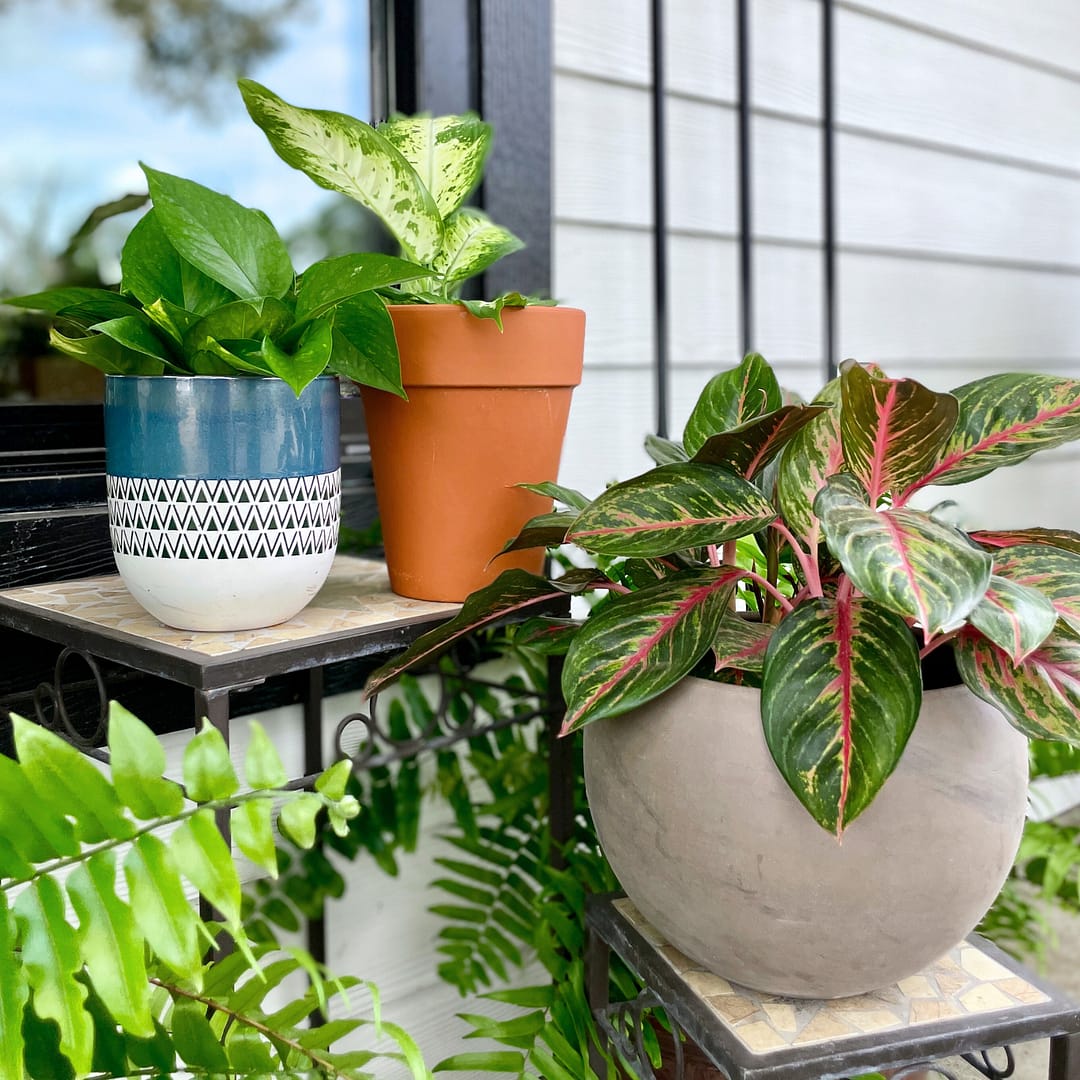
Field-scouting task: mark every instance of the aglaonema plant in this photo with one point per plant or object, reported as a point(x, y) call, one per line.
point(208, 288)
point(105, 979)
point(777, 545)
point(414, 173)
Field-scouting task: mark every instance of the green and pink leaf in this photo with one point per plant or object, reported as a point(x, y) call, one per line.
point(1015, 617)
point(1051, 571)
point(747, 449)
point(671, 508)
point(730, 399)
point(544, 530)
point(906, 560)
point(1041, 696)
point(840, 696)
point(892, 429)
point(740, 643)
point(1061, 538)
point(640, 644)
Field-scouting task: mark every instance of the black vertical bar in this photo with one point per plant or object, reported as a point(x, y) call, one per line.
point(1065, 1057)
point(379, 29)
point(660, 266)
point(313, 763)
point(560, 766)
point(746, 240)
point(828, 189)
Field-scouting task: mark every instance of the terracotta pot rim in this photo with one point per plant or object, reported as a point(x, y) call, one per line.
point(454, 309)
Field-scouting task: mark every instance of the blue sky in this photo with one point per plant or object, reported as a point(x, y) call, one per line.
point(77, 121)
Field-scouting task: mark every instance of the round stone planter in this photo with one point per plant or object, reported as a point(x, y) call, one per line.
point(224, 495)
point(718, 854)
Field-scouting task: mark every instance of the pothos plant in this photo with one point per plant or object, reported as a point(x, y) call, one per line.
point(106, 979)
point(414, 173)
point(850, 585)
point(208, 288)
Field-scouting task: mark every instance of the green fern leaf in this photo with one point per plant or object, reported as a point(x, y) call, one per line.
point(157, 1053)
point(137, 761)
point(410, 1051)
point(41, 1039)
point(50, 954)
point(333, 781)
point(252, 993)
point(62, 777)
point(250, 1054)
point(504, 1061)
point(110, 1043)
point(298, 818)
point(253, 833)
point(162, 911)
point(195, 1040)
point(199, 849)
point(12, 864)
point(14, 992)
point(262, 765)
point(325, 1035)
point(208, 768)
point(111, 947)
point(37, 830)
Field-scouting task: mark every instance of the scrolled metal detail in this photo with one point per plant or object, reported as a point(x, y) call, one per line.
point(57, 718)
point(622, 1024)
point(982, 1062)
point(455, 716)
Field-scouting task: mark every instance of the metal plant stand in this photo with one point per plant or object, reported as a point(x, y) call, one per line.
point(972, 1003)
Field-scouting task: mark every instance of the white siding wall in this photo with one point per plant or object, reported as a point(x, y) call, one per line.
point(958, 207)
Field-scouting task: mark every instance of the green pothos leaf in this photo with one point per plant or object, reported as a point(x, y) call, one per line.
point(730, 399)
point(903, 559)
point(365, 349)
point(840, 696)
point(1041, 696)
point(641, 643)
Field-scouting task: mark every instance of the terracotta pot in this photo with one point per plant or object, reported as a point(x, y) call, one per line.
point(486, 410)
point(718, 854)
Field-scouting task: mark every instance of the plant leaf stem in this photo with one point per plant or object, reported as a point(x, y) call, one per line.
point(809, 568)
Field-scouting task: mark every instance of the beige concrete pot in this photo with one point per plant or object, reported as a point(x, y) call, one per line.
point(719, 855)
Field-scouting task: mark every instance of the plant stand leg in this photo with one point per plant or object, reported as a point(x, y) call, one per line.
point(1065, 1057)
point(597, 986)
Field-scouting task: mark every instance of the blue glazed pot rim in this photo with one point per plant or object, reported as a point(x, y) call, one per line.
point(219, 378)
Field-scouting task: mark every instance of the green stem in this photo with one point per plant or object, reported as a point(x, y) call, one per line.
point(276, 1036)
point(83, 854)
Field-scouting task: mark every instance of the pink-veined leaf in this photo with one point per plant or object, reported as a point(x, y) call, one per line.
point(1015, 617)
point(813, 455)
point(748, 448)
point(892, 429)
point(1052, 571)
point(1041, 696)
point(641, 643)
point(513, 592)
point(671, 508)
point(1061, 538)
point(730, 399)
point(741, 643)
point(544, 530)
point(1003, 420)
point(569, 497)
point(904, 559)
point(840, 696)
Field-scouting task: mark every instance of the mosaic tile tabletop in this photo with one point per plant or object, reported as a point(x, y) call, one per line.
point(964, 982)
point(356, 596)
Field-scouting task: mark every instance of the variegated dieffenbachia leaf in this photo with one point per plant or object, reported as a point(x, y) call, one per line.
point(741, 643)
point(346, 155)
point(748, 448)
point(471, 243)
point(892, 429)
point(671, 508)
point(840, 696)
point(1041, 696)
point(642, 643)
point(1003, 420)
point(730, 399)
point(814, 454)
point(1015, 617)
point(903, 559)
point(512, 593)
point(1006, 538)
point(447, 152)
point(1052, 571)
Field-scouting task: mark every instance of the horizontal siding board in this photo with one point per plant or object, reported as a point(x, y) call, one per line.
point(1031, 30)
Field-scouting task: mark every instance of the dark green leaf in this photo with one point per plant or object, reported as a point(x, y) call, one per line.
point(840, 696)
point(365, 348)
point(105, 354)
point(572, 499)
point(254, 319)
point(544, 530)
point(195, 1040)
point(664, 451)
point(307, 361)
point(136, 334)
point(231, 244)
point(326, 284)
point(54, 300)
point(748, 448)
point(730, 399)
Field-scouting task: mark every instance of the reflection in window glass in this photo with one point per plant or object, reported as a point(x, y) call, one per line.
point(93, 87)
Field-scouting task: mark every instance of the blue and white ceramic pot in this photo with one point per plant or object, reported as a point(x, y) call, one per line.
point(224, 495)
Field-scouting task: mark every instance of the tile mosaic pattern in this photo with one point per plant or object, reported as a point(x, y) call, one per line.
point(964, 982)
point(356, 596)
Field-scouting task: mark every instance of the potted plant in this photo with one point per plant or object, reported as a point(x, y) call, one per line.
point(776, 665)
point(487, 384)
point(221, 403)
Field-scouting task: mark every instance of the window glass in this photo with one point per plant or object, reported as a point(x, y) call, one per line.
point(93, 87)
